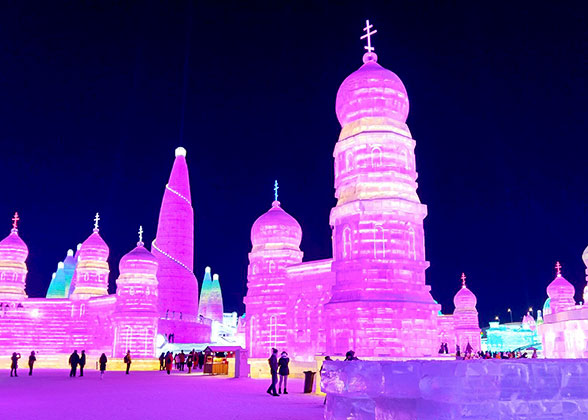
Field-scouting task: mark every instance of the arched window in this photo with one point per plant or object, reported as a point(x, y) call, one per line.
point(411, 243)
point(254, 269)
point(347, 242)
point(82, 310)
point(272, 267)
point(376, 157)
point(379, 242)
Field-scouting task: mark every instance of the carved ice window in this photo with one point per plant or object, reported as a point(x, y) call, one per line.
point(376, 157)
point(411, 243)
point(379, 242)
point(347, 242)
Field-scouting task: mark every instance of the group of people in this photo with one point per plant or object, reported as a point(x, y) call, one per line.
point(14, 363)
point(471, 354)
point(181, 360)
point(278, 367)
point(76, 360)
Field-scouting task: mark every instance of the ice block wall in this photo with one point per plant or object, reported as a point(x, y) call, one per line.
point(535, 389)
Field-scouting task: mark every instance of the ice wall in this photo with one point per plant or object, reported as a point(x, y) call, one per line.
point(477, 389)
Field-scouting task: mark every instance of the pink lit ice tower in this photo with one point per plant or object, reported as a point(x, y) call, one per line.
point(465, 318)
point(13, 268)
point(380, 305)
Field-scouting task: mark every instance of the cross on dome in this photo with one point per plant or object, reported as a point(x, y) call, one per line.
point(558, 268)
point(368, 35)
point(15, 220)
point(140, 235)
point(96, 220)
point(276, 188)
point(463, 279)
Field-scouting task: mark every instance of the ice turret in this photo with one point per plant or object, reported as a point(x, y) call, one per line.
point(61, 281)
point(91, 274)
point(211, 299)
point(13, 268)
point(465, 317)
point(205, 293)
point(561, 292)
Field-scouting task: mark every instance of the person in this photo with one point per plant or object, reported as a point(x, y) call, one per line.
point(127, 360)
point(200, 360)
point(457, 352)
point(446, 348)
point(182, 357)
point(189, 361)
point(161, 361)
point(74, 359)
point(32, 360)
point(177, 361)
point(350, 356)
point(169, 361)
point(102, 362)
point(14, 363)
point(469, 348)
point(273, 364)
point(534, 356)
point(82, 362)
point(283, 371)
point(441, 349)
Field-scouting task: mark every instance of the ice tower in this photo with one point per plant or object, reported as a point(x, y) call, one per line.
point(13, 268)
point(205, 292)
point(465, 318)
point(174, 249)
point(61, 281)
point(380, 305)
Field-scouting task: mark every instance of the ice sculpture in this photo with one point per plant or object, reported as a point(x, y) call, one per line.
point(13, 269)
point(465, 318)
point(205, 292)
point(61, 282)
point(211, 299)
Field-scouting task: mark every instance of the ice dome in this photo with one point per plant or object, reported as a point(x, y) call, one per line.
point(13, 248)
point(94, 248)
point(276, 229)
point(585, 257)
point(547, 306)
point(465, 299)
point(560, 288)
point(139, 261)
point(371, 91)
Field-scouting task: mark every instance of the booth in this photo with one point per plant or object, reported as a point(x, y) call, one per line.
point(222, 360)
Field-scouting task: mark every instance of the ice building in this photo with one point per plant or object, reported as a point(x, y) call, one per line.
point(511, 336)
point(156, 292)
point(564, 331)
point(371, 296)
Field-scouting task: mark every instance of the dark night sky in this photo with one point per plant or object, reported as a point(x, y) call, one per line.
point(90, 111)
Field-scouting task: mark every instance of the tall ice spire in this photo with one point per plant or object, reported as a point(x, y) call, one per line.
point(174, 245)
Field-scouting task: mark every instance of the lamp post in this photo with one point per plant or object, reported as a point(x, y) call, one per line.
point(510, 312)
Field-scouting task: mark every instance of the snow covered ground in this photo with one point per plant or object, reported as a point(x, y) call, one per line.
point(52, 395)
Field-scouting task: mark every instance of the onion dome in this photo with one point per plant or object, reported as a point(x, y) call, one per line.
point(547, 306)
point(560, 291)
point(276, 229)
point(139, 261)
point(94, 248)
point(585, 257)
point(464, 298)
point(13, 248)
point(371, 91)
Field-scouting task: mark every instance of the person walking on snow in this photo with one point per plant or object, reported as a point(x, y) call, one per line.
point(189, 362)
point(82, 362)
point(74, 359)
point(14, 363)
point(102, 362)
point(273, 364)
point(169, 361)
point(127, 360)
point(32, 360)
point(161, 361)
point(283, 371)
point(182, 357)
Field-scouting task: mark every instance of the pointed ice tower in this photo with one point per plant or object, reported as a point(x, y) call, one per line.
point(211, 299)
point(61, 280)
point(174, 246)
point(13, 268)
point(205, 293)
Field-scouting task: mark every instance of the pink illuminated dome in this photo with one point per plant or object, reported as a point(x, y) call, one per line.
point(371, 91)
point(464, 299)
point(94, 248)
point(560, 290)
point(139, 261)
point(276, 229)
point(13, 248)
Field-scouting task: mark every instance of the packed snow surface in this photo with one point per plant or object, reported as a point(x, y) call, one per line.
point(51, 394)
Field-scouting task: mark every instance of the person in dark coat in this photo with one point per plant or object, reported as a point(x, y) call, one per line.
point(161, 361)
point(182, 357)
point(32, 360)
point(169, 362)
point(200, 360)
point(283, 371)
point(14, 363)
point(82, 362)
point(127, 360)
point(103, 360)
point(74, 359)
point(350, 356)
point(190, 361)
point(273, 364)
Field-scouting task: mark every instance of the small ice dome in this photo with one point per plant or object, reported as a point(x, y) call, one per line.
point(53, 276)
point(60, 264)
point(465, 299)
point(215, 277)
point(276, 229)
point(207, 270)
point(94, 248)
point(70, 253)
point(13, 248)
point(180, 151)
point(138, 261)
point(585, 257)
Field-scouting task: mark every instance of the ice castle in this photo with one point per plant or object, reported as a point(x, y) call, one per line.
point(156, 291)
point(371, 296)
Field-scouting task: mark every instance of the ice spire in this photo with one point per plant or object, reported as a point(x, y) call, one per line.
point(174, 244)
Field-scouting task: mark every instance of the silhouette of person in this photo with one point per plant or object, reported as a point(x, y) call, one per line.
point(32, 360)
point(103, 360)
point(273, 364)
point(74, 359)
point(14, 363)
point(82, 362)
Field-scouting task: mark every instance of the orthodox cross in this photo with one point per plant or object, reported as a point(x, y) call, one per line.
point(558, 268)
point(141, 234)
point(463, 277)
point(368, 35)
point(96, 220)
point(15, 220)
point(276, 188)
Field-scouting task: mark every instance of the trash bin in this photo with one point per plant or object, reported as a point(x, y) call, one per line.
point(308, 381)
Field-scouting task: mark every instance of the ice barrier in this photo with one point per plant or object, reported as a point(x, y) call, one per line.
point(438, 390)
